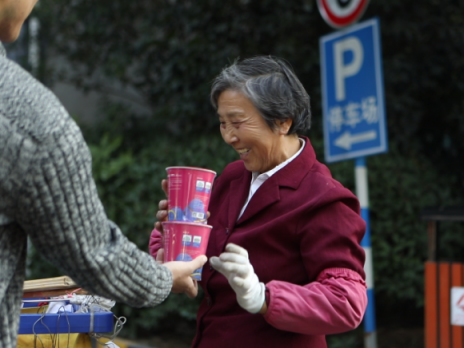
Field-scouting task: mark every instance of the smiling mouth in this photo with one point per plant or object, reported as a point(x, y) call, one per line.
point(243, 152)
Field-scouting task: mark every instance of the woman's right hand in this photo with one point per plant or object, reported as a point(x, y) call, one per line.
point(162, 213)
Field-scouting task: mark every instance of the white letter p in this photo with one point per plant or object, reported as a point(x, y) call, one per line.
point(343, 71)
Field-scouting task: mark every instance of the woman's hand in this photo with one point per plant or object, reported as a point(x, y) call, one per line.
point(160, 256)
point(236, 267)
point(162, 213)
point(182, 282)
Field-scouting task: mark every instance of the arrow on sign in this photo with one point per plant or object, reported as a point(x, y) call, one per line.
point(346, 139)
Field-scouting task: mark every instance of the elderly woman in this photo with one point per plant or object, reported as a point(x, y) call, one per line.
point(285, 261)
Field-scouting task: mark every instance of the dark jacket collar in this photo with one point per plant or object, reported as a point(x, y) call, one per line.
point(289, 176)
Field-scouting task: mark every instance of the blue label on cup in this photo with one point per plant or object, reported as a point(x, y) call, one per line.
point(196, 241)
point(200, 186)
point(186, 240)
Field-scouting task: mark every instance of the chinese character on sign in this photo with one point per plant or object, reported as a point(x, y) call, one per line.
point(352, 114)
point(369, 110)
point(336, 119)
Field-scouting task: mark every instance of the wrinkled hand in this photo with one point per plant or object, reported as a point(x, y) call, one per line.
point(236, 267)
point(160, 256)
point(162, 213)
point(182, 282)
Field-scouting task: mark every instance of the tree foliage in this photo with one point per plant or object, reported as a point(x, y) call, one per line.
point(170, 50)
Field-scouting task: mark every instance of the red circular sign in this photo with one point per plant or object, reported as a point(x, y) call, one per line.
point(341, 13)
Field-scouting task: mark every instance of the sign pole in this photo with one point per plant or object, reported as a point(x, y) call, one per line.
point(370, 335)
point(353, 110)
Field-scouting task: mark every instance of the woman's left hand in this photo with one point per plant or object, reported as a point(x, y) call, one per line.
point(162, 213)
point(236, 267)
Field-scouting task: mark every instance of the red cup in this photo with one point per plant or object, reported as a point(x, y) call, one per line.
point(185, 241)
point(189, 192)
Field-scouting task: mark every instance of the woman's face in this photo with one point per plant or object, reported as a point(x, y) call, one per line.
point(243, 128)
point(13, 13)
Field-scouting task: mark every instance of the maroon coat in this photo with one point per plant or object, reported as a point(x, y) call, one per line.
point(299, 223)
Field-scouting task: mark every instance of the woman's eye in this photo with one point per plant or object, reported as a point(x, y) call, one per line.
point(235, 124)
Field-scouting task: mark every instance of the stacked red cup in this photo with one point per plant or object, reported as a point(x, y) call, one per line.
point(186, 232)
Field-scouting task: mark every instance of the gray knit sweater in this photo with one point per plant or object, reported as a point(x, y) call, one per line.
point(47, 193)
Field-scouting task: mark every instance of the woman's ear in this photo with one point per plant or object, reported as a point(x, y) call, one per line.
point(284, 126)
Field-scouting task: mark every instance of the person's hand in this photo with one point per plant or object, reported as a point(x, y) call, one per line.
point(236, 267)
point(182, 282)
point(162, 213)
point(160, 256)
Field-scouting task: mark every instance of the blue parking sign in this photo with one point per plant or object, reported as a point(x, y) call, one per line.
point(352, 91)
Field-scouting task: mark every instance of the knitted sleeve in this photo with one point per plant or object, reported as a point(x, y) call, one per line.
point(58, 206)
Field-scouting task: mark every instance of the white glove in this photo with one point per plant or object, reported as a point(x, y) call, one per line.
point(235, 266)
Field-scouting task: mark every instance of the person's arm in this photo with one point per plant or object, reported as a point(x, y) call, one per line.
point(334, 303)
point(330, 246)
point(58, 206)
point(156, 243)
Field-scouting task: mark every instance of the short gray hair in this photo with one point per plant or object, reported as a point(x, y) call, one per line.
point(272, 87)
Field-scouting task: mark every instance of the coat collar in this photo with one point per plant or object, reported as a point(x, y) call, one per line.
point(290, 176)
